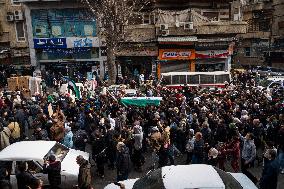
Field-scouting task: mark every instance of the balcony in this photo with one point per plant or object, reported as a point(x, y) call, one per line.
point(207, 28)
point(140, 33)
point(261, 5)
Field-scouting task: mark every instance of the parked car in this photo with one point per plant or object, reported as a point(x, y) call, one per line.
point(34, 153)
point(271, 83)
point(188, 176)
point(268, 71)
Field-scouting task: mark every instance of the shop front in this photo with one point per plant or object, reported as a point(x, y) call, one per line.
point(136, 60)
point(212, 60)
point(176, 60)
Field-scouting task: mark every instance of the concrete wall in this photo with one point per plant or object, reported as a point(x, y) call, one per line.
point(9, 31)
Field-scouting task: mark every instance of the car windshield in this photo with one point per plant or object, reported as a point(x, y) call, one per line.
point(229, 181)
point(264, 83)
point(152, 180)
point(59, 150)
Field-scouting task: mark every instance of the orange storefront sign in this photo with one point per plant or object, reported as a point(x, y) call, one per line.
point(176, 54)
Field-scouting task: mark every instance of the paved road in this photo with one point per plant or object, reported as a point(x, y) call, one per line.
point(110, 175)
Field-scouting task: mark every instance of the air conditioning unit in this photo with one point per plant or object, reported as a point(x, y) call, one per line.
point(165, 32)
point(18, 15)
point(177, 24)
point(10, 17)
point(188, 25)
point(164, 26)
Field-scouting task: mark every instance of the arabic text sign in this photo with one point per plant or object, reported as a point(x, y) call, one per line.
point(212, 54)
point(85, 42)
point(176, 54)
point(44, 43)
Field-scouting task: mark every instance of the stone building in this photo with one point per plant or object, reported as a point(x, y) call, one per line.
point(13, 36)
point(263, 43)
point(197, 35)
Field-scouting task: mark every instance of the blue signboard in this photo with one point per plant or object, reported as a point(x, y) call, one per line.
point(44, 43)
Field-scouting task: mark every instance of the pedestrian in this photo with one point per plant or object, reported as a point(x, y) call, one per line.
point(269, 177)
point(155, 144)
point(138, 159)
point(25, 179)
point(4, 182)
point(198, 149)
point(234, 149)
point(68, 138)
point(248, 156)
point(5, 136)
point(84, 177)
point(52, 167)
point(57, 130)
point(80, 138)
point(98, 153)
point(122, 162)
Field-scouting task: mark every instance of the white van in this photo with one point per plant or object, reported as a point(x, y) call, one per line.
point(34, 153)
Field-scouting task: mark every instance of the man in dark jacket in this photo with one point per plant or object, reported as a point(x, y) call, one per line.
point(53, 169)
point(4, 183)
point(98, 153)
point(270, 171)
point(123, 162)
point(25, 179)
point(84, 177)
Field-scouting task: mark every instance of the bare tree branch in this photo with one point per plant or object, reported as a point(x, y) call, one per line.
point(112, 16)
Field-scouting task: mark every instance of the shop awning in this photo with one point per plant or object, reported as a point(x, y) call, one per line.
point(177, 39)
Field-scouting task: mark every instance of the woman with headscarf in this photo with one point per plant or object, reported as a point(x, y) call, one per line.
point(138, 159)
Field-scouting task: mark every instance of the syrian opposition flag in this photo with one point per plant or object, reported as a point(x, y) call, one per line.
point(73, 87)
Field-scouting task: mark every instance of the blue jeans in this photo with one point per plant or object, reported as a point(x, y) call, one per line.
point(280, 159)
point(196, 159)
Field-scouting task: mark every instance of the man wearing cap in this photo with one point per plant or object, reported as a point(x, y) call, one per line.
point(53, 169)
point(84, 177)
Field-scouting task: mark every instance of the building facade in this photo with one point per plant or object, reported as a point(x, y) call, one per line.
point(14, 52)
point(185, 36)
point(63, 38)
point(262, 45)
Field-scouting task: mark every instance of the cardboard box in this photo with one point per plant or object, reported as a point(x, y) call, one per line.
point(24, 82)
point(26, 93)
point(13, 83)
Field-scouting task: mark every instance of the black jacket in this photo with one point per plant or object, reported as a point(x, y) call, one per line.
point(25, 180)
point(269, 176)
point(123, 161)
point(54, 173)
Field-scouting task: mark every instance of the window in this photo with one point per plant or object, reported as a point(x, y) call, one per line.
point(149, 18)
point(15, 2)
point(247, 51)
point(20, 31)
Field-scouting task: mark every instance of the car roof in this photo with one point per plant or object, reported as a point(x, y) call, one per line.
point(26, 150)
point(191, 176)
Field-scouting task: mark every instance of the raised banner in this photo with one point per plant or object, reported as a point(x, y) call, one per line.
point(176, 54)
point(45, 43)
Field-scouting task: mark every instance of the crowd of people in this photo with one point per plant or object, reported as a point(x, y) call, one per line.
point(240, 123)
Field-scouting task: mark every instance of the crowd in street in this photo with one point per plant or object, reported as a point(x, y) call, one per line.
point(240, 123)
